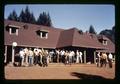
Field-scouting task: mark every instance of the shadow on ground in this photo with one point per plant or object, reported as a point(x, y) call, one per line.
point(84, 76)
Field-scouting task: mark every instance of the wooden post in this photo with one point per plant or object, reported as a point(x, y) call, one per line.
point(5, 54)
point(85, 56)
point(13, 53)
point(94, 57)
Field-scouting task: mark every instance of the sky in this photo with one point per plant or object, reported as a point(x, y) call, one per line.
point(66, 16)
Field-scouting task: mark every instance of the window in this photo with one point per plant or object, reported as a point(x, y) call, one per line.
point(104, 42)
point(44, 34)
point(13, 31)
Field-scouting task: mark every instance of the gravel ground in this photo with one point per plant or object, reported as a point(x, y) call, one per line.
point(60, 71)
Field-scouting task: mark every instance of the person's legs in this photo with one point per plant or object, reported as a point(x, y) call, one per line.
point(110, 63)
point(30, 60)
point(35, 60)
point(46, 63)
point(70, 60)
point(101, 62)
point(22, 59)
point(81, 60)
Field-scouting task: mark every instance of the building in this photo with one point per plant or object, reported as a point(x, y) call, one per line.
point(32, 35)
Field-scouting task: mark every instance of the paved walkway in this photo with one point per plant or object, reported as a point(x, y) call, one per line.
point(60, 71)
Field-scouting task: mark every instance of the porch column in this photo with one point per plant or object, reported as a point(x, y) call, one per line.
point(5, 54)
point(13, 52)
point(14, 44)
point(94, 57)
point(84, 56)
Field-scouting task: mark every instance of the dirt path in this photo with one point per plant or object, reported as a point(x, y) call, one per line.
point(60, 71)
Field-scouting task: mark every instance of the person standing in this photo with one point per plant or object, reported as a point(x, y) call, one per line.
point(70, 57)
point(40, 56)
point(47, 55)
point(98, 59)
point(36, 56)
point(51, 56)
point(22, 54)
point(26, 56)
point(30, 57)
point(103, 59)
point(80, 57)
point(58, 54)
point(77, 56)
point(44, 57)
point(63, 55)
point(66, 57)
point(73, 56)
point(110, 57)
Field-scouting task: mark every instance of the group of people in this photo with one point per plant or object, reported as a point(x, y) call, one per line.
point(42, 57)
point(103, 59)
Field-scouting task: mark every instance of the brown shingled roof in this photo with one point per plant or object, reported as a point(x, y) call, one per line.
point(72, 37)
point(28, 37)
point(86, 40)
point(110, 47)
point(56, 37)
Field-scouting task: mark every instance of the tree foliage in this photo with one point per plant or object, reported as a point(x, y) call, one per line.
point(44, 19)
point(13, 16)
point(92, 30)
point(28, 17)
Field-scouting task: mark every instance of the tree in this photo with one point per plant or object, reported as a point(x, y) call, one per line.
point(113, 34)
point(27, 16)
point(32, 19)
point(44, 19)
point(22, 16)
point(92, 30)
point(13, 16)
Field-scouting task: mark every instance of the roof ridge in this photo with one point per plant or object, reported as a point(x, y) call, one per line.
point(33, 24)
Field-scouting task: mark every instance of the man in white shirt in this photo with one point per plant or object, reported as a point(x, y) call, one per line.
point(77, 54)
point(110, 57)
point(63, 56)
point(98, 59)
point(73, 56)
point(58, 54)
point(81, 57)
point(21, 53)
point(26, 56)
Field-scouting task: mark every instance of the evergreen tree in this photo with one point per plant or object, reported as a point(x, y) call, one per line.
point(44, 19)
point(92, 30)
point(22, 16)
point(32, 19)
point(27, 16)
point(13, 16)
